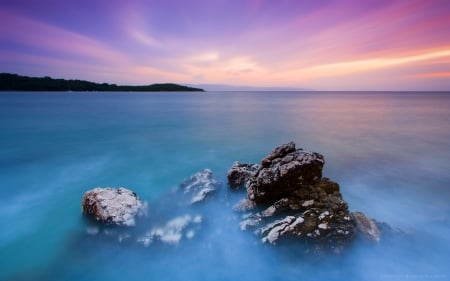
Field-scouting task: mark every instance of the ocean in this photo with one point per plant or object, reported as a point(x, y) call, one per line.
point(389, 151)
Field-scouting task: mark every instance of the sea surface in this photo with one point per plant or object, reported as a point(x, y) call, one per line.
point(389, 151)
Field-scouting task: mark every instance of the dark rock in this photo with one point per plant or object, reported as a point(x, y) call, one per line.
point(115, 206)
point(322, 219)
point(283, 171)
point(327, 185)
point(239, 174)
point(278, 152)
point(199, 186)
point(293, 201)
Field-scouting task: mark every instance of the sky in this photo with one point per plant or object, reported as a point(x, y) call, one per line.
point(320, 45)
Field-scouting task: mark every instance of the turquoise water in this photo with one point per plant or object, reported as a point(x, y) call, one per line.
point(390, 152)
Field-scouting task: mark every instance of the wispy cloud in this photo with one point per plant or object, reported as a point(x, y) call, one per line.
point(146, 39)
point(433, 75)
point(358, 66)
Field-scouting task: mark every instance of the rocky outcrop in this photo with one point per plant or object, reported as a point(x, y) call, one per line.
point(198, 187)
point(287, 200)
point(295, 202)
point(114, 206)
point(282, 172)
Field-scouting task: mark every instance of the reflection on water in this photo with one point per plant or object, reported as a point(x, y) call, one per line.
point(388, 151)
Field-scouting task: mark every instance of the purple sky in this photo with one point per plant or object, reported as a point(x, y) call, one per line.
point(323, 45)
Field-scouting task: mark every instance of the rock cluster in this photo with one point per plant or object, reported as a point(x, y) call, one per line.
point(287, 200)
point(115, 206)
point(291, 200)
point(171, 221)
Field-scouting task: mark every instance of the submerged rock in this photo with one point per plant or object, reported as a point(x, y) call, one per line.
point(115, 206)
point(199, 186)
point(176, 222)
point(367, 227)
point(295, 202)
point(172, 232)
point(244, 205)
point(175, 216)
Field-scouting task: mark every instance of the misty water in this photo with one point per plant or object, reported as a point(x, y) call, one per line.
point(390, 153)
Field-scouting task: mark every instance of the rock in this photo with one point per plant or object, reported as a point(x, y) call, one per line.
point(325, 220)
point(367, 227)
point(115, 206)
point(283, 171)
point(199, 186)
point(239, 173)
point(293, 201)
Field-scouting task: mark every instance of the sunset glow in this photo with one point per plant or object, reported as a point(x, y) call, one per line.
point(322, 45)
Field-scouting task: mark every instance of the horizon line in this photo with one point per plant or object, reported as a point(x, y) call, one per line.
point(245, 88)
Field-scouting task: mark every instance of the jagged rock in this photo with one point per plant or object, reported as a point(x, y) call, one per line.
point(239, 173)
point(199, 186)
point(325, 219)
point(293, 201)
point(282, 172)
point(367, 227)
point(278, 152)
point(116, 206)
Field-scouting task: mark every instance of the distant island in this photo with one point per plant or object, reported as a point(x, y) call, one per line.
point(243, 88)
point(14, 82)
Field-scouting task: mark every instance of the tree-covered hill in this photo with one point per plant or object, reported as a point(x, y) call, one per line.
point(14, 82)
